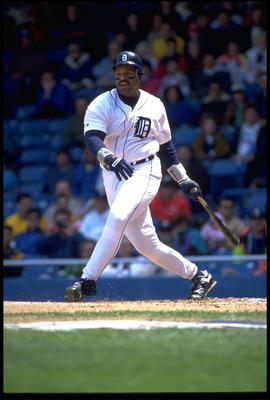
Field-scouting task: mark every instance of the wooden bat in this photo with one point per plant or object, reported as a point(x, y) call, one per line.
point(230, 236)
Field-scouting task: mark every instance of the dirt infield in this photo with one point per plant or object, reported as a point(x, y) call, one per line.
point(15, 310)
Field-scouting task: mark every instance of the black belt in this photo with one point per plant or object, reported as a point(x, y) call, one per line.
point(143, 160)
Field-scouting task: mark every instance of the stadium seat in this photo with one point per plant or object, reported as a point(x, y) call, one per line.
point(225, 174)
point(24, 112)
point(32, 173)
point(185, 134)
point(37, 156)
point(34, 127)
point(247, 199)
point(33, 188)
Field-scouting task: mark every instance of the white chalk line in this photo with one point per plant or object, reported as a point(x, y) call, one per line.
point(130, 324)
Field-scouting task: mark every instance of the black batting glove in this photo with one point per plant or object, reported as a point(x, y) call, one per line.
point(190, 188)
point(119, 166)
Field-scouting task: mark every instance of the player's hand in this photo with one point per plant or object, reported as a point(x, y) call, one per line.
point(190, 188)
point(119, 166)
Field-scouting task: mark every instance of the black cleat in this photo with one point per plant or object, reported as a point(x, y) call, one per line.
point(76, 292)
point(201, 285)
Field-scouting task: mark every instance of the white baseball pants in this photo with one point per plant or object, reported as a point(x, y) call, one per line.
point(130, 216)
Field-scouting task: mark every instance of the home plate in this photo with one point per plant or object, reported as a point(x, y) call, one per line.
point(131, 324)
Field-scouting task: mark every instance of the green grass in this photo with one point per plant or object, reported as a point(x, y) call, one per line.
point(170, 314)
point(114, 361)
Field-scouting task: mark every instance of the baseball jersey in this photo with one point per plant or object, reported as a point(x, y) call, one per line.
point(132, 134)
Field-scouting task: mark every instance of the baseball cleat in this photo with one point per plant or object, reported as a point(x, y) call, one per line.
point(76, 292)
point(201, 286)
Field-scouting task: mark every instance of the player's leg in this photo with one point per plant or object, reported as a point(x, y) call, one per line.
point(130, 199)
point(142, 234)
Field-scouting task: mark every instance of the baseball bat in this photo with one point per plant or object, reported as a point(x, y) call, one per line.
point(230, 236)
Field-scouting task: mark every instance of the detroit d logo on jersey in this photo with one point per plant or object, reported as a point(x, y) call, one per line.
point(142, 127)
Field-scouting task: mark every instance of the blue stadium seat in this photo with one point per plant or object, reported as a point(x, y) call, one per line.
point(56, 55)
point(37, 156)
point(185, 134)
point(32, 127)
point(33, 188)
point(225, 174)
point(57, 125)
point(229, 132)
point(32, 173)
point(257, 198)
point(24, 112)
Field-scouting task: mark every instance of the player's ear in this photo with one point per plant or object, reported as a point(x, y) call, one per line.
point(139, 73)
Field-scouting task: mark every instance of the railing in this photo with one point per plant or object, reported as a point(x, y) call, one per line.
point(139, 260)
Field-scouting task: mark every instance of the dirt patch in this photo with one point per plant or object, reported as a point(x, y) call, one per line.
point(13, 308)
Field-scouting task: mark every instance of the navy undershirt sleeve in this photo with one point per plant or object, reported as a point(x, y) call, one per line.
point(168, 155)
point(94, 140)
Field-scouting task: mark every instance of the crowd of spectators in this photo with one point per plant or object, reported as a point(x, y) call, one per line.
point(207, 63)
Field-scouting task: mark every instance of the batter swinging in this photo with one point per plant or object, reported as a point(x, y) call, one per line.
point(128, 130)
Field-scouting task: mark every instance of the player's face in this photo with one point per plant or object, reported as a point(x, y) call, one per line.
point(126, 80)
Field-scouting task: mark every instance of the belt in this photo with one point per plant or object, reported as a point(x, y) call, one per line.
point(142, 160)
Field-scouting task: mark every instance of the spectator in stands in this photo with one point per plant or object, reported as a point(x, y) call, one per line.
point(227, 208)
point(209, 73)
point(256, 57)
point(92, 224)
point(75, 72)
point(62, 201)
point(102, 70)
point(11, 253)
point(155, 30)
point(171, 54)
point(75, 25)
point(233, 62)
point(159, 44)
point(174, 77)
point(194, 61)
point(75, 205)
point(86, 248)
point(194, 167)
point(18, 220)
point(27, 242)
point(224, 30)
point(86, 175)
point(133, 30)
point(177, 107)
point(143, 49)
point(210, 143)
point(169, 203)
point(214, 238)
point(165, 232)
point(255, 174)
point(249, 131)
point(73, 130)
point(216, 100)
point(168, 14)
point(62, 169)
point(188, 238)
point(150, 81)
point(65, 242)
point(54, 100)
point(25, 69)
point(253, 239)
point(234, 112)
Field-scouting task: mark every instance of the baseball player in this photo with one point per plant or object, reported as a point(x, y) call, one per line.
point(128, 131)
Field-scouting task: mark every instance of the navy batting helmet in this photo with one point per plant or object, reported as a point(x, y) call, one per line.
point(129, 58)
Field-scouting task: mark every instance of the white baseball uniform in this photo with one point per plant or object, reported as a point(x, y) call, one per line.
point(132, 134)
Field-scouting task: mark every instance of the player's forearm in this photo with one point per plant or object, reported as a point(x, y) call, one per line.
point(171, 162)
point(94, 140)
